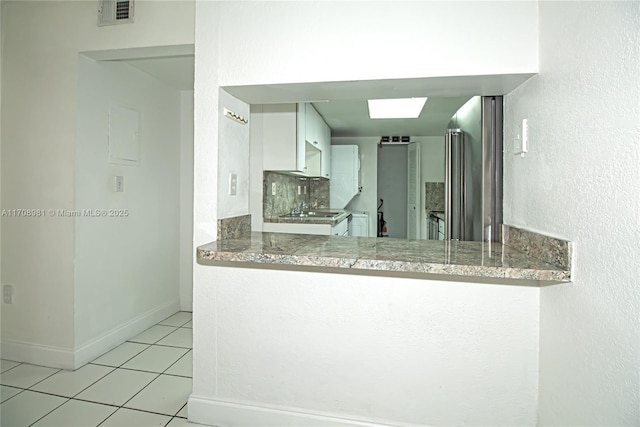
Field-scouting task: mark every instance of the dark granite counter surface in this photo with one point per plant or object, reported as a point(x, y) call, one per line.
point(430, 259)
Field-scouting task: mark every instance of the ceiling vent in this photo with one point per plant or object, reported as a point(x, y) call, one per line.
point(111, 12)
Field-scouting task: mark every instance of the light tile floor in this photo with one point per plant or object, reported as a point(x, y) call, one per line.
point(144, 382)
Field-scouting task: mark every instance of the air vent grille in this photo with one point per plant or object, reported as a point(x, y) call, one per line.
point(112, 12)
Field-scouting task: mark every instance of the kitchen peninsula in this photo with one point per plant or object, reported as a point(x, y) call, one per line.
point(524, 259)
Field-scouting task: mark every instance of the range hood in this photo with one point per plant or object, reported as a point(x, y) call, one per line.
point(345, 175)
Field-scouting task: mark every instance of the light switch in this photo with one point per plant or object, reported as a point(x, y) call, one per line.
point(273, 188)
point(233, 184)
point(119, 184)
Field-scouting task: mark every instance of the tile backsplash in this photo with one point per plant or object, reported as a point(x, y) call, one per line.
point(286, 197)
point(434, 196)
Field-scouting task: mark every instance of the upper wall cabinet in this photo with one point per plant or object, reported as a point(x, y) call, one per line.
point(295, 139)
point(283, 130)
point(318, 134)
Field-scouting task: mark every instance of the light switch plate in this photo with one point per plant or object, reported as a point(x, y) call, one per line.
point(233, 184)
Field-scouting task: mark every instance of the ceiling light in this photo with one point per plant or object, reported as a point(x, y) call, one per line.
point(399, 108)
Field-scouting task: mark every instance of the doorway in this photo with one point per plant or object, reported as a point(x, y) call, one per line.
point(392, 189)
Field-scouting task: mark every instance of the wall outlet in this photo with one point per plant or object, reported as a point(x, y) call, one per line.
point(233, 184)
point(7, 294)
point(273, 188)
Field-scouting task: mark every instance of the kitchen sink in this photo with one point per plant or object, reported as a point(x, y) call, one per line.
point(313, 214)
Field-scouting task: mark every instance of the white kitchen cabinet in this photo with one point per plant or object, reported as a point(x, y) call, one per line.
point(283, 137)
point(318, 135)
point(296, 139)
point(341, 228)
point(325, 148)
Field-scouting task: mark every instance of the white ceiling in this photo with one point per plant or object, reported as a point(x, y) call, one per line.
point(351, 118)
point(343, 104)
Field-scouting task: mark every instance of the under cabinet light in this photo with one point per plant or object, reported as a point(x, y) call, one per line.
point(399, 108)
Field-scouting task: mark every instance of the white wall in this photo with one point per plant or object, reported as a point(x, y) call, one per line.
point(234, 148)
point(186, 252)
point(579, 181)
point(255, 168)
point(316, 41)
point(367, 200)
point(374, 349)
point(40, 64)
point(431, 170)
point(243, 43)
point(125, 267)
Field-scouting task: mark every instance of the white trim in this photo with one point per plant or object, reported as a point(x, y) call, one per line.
point(225, 413)
point(37, 354)
point(116, 336)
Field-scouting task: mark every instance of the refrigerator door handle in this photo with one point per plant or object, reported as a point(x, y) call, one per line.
point(447, 185)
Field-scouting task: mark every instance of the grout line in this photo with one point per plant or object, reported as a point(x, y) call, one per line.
point(54, 409)
point(96, 381)
point(49, 376)
point(9, 398)
point(13, 367)
point(148, 345)
point(140, 391)
point(174, 346)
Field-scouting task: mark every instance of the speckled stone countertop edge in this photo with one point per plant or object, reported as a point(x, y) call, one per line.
point(436, 270)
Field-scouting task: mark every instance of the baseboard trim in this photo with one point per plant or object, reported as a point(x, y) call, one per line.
point(222, 413)
point(116, 336)
point(37, 354)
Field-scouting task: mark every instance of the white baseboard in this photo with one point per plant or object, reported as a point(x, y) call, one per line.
point(223, 414)
point(71, 359)
point(116, 336)
point(37, 354)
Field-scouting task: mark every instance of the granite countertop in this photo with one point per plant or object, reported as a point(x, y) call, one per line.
point(310, 219)
point(443, 260)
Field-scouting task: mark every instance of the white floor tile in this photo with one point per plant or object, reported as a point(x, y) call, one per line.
point(7, 392)
point(27, 407)
point(153, 334)
point(25, 375)
point(177, 319)
point(121, 354)
point(181, 337)
point(70, 383)
point(5, 365)
point(76, 413)
point(117, 387)
point(155, 359)
point(130, 418)
point(189, 324)
point(183, 367)
point(181, 422)
point(166, 395)
point(182, 413)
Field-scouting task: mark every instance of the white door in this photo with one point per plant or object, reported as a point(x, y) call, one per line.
point(413, 191)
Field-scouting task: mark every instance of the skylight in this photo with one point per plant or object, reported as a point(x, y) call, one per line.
point(399, 108)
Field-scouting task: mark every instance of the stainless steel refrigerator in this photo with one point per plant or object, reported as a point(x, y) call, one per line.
point(473, 171)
